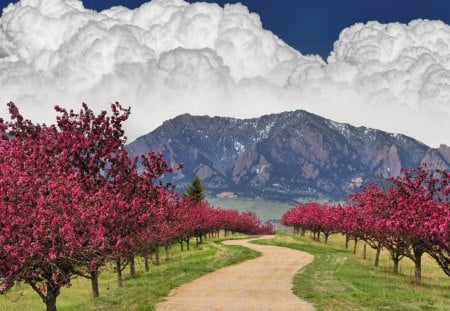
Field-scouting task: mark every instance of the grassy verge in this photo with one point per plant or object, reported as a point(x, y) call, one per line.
point(265, 210)
point(141, 293)
point(339, 280)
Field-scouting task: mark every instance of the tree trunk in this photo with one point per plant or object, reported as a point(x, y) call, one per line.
point(94, 283)
point(201, 239)
point(326, 238)
point(354, 247)
point(347, 239)
point(146, 265)
point(166, 249)
point(365, 251)
point(318, 236)
point(377, 256)
point(119, 272)
point(156, 255)
point(50, 298)
point(181, 246)
point(418, 269)
point(396, 261)
point(132, 267)
point(187, 244)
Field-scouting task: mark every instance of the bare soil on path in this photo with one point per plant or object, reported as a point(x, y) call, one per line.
point(263, 283)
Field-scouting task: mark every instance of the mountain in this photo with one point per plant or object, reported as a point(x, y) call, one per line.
point(287, 157)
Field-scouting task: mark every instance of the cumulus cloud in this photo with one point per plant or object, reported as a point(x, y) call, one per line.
point(169, 57)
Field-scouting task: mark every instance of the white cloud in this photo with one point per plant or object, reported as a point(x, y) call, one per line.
point(169, 57)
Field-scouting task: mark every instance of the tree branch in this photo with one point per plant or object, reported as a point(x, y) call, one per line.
point(36, 289)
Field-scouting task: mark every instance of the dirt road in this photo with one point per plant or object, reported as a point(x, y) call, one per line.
point(263, 283)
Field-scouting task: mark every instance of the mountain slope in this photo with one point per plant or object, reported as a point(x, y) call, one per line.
point(288, 156)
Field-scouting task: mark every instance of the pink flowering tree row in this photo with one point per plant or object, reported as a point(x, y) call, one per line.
point(201, 219)
point(72, 200)
point(318, 218)
point(408, 216)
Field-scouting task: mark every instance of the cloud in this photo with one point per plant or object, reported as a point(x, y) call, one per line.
point(169, 57)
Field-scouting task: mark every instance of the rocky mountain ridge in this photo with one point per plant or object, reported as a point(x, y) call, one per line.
point(287, 157)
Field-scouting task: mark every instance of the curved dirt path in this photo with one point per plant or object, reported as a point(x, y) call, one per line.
point(263, 283)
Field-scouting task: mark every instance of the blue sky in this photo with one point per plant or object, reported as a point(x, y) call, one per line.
point(312, 26)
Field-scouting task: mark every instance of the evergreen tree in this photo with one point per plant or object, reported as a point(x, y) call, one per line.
point(195, 190)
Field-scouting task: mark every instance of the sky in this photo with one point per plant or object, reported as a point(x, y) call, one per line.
point(381, 64)
point(312, 26)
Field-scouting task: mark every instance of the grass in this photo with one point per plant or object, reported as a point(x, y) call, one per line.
point(265, 210)
point(335, 280)
point(339, 280)
point(141, 293)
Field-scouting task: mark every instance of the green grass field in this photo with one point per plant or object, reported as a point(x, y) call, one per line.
point(338, 280)
point(137, 294)
point(265, 210)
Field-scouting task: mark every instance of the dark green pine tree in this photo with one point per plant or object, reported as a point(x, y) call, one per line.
point(195, 190)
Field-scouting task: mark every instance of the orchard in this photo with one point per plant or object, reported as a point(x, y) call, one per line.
point(408, 216)
point(71, 201)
